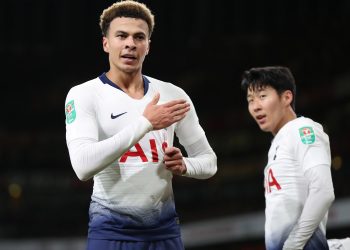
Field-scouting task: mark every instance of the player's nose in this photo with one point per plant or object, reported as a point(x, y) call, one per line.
point(130, 43)
point(256, 106)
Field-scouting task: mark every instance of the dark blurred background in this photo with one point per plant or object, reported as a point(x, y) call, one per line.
point(203, 46)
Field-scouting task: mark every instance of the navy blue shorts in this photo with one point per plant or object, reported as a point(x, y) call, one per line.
point(168, 244)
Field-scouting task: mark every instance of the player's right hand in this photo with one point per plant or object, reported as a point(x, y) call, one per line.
point(163, 115)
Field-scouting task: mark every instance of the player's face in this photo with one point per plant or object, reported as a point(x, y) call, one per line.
point(127, 43)
point(268, 108)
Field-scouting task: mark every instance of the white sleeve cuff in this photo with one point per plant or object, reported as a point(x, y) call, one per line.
point(201, 162)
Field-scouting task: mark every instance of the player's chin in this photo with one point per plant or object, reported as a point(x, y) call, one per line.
point(131, 68)
point(264, 128)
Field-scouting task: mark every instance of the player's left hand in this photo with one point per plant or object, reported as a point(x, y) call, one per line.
point(173, 161)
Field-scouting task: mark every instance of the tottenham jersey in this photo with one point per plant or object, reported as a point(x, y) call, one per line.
point(298, 146)
point(132, 198)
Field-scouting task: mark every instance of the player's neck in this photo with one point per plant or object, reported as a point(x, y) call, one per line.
point(131, 84)
point(289, 116)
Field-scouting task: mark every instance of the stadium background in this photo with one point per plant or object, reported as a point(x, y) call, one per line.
point(203, 46)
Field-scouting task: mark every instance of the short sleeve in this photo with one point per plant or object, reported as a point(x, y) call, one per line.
point(80, 115)
point(311, 146)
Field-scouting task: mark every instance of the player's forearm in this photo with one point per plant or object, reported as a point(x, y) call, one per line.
point(202, 161)
point(320, 198)
point(89, 157)
point(307, 225)
point(201, 167)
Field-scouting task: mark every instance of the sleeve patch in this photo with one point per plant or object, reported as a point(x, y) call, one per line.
point(307, 135)
point(70, 112)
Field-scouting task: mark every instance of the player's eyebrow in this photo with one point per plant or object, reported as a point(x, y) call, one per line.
point(120, 32)
point(140, 34)
point(128, 33)
point(249, 96)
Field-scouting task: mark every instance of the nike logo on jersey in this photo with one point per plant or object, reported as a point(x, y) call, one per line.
point(116, 116)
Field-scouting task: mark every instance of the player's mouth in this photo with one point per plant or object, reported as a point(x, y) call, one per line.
point(129, 57)
point(261, 119)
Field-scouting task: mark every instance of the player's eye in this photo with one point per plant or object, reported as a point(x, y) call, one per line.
point(140, 37)
point(120, 35)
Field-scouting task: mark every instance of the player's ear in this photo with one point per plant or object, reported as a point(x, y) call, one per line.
point(149, 46)
point(105, 44)
point(288, 97)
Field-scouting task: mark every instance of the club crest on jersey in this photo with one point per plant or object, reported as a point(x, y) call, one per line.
point(70, 112)
point(307, 135)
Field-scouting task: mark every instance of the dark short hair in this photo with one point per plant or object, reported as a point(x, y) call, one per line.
point(278, 77)
point(128, 8)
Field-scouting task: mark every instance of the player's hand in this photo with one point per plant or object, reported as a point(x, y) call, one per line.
point(173, 161)
point(163, 115)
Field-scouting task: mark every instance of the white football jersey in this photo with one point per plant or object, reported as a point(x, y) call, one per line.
point(298, 146)
point(137, 184)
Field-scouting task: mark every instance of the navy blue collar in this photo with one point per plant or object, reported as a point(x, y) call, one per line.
point(105, 80)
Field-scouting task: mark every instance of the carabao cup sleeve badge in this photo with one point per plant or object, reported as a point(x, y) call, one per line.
point(307, 135)
point(70, 112)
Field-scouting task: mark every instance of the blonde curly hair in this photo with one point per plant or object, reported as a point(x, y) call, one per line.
point(127, 8)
